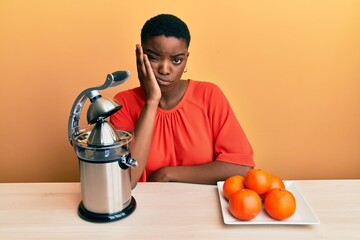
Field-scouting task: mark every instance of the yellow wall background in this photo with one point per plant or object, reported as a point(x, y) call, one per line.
point(290, 69)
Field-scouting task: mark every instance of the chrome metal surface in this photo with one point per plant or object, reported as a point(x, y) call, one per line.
point(105, 179)
point(101, 153)
point(112, 80)
point(103, 134)
point(101, 108)
point(105, 188)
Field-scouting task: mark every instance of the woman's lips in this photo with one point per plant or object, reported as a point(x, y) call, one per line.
point(163, 81)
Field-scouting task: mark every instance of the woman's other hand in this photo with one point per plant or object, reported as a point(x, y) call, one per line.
point(161, 175)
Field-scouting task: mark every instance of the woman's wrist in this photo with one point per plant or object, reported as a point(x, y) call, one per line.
point(151, 104)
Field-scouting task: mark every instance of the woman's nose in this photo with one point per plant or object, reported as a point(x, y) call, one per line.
point(164, 68)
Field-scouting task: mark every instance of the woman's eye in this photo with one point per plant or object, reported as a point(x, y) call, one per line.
point(152, 57)
point(177, 61)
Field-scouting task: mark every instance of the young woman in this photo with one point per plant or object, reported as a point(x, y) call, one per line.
point(184, 130)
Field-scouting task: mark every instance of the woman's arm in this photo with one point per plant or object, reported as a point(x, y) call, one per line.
point(208, 173)
point(145, 125)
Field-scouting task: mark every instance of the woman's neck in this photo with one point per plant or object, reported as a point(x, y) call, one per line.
point(169, 100)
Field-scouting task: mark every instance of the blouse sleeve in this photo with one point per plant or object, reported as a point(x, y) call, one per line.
point(230, 142)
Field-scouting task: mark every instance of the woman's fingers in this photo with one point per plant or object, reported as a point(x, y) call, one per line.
point(149, 70)
point(154, 92)
point(140, 63)
point(146, 76)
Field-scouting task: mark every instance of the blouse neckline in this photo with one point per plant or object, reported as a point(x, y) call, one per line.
point(183, 99)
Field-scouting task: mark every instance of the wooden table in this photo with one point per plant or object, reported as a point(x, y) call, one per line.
point(170, 211)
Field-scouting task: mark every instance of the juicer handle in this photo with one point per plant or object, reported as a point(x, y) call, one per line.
point(118, 77)
point(112, 80)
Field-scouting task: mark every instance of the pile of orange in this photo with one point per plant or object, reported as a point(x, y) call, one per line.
point(246, 195)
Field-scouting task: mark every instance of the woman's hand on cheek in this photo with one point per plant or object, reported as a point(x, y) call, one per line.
point(147, 77)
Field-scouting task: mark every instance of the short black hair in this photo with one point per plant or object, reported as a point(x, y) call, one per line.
point(167, 25)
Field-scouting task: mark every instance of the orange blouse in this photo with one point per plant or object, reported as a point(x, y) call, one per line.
point(200, 129)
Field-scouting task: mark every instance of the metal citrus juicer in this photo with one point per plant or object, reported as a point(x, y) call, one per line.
point(104, 156)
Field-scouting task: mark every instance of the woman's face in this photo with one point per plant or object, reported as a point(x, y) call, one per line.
point(168, 57)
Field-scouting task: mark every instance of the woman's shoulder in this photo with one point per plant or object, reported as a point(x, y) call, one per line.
point(204, 88)
point(134, 93)
point(131, 99)
point(203, 84)
point(206, 95)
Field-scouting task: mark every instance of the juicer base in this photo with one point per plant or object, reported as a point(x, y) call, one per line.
point(103, 217)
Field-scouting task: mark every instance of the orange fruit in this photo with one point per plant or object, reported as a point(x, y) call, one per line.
point(258, 180)
point(280, 204)
point(232, 184)
point(276, 182)
point(245, 204)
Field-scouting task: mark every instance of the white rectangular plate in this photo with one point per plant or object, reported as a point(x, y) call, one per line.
point(304, 215)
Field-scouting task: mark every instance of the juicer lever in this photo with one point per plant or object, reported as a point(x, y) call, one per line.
point(112, 80)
